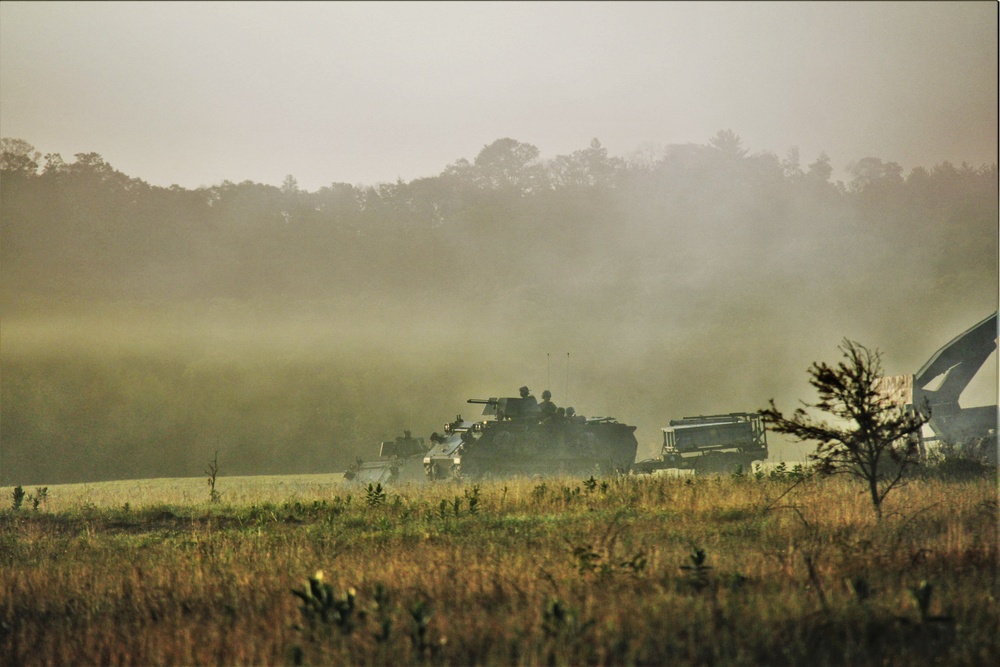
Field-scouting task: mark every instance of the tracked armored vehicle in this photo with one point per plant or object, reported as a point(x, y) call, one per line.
point(515, 437)
point(399, 460)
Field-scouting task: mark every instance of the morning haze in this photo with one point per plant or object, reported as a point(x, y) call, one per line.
point(379, 210)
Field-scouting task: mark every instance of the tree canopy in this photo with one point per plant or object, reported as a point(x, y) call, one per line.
point(82, 228)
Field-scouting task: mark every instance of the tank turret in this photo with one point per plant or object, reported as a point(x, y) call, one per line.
point(508, 407)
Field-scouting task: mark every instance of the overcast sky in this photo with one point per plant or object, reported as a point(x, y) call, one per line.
point(366, 92)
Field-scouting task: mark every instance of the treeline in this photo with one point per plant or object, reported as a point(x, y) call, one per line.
point(505, 224)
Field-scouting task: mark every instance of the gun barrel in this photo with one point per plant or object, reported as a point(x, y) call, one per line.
point(483, 401)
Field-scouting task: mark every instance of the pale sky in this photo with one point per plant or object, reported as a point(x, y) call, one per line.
point(368, 92)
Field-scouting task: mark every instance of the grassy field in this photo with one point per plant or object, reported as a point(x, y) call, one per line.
point(623, 570)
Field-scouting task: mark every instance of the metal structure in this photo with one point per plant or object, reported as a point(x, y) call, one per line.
point(517, 438)
point(711, 443)
point(941, 381)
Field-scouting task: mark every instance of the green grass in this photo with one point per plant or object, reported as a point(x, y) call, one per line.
point(551, 571)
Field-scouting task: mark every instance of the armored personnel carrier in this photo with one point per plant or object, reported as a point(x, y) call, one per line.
point(516, 437)
point(399, 460)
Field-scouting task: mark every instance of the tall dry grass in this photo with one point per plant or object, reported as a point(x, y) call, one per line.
point(554, 571)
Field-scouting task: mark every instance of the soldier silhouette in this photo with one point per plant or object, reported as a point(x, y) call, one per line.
point(528, 402)
point(547, 407)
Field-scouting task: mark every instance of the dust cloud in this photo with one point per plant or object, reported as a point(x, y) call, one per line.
point(146, 329)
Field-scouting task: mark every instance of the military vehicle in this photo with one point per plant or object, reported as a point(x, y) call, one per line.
point(711, 443)
point(938, 387)
point(940, 382)
point(399, 460)
point(515, 437)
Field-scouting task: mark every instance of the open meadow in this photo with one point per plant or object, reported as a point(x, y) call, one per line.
point(643, 570)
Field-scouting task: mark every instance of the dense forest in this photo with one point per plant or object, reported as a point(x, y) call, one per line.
point(695, 259)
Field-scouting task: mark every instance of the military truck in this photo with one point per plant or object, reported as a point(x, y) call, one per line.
point(711, 443)
point(514, 437)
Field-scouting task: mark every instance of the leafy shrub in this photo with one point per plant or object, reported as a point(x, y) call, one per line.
point(970, 460)
point(375, 495)
point(560, 621)
point(320, 607)
point(17, 496)
point(697, 571)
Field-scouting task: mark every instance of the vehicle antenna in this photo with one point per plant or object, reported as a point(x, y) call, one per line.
point(566, 395)
point(548, 369)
